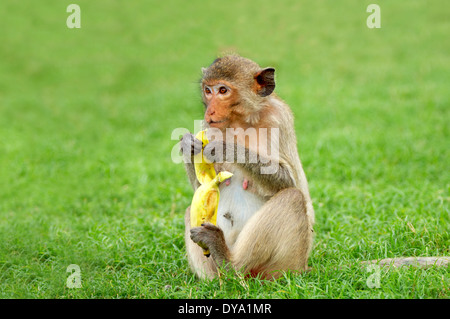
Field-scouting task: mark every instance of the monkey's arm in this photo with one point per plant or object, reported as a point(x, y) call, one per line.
point(190, 172)
point(276, 174)
point(190, 146)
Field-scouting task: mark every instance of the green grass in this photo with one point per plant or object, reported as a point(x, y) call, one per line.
point(86, 116)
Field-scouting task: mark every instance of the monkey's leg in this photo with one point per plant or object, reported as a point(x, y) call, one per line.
point(277, 237)
point(204, 267)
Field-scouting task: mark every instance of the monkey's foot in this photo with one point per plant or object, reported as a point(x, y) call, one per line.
point(210, 237)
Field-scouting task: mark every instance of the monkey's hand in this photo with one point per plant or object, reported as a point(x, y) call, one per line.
point(211, 237)
point(190, 146)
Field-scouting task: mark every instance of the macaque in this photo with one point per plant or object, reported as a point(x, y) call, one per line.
point(265, 215)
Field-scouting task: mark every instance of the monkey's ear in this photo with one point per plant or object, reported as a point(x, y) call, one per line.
point(265, 81)
point(203, 70)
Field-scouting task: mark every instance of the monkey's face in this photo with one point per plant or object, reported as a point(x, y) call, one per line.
point(219, 98)
point(233, 89)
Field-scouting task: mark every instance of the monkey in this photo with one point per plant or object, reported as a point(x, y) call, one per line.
point(264, 220)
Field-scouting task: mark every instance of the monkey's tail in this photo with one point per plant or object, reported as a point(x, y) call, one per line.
point(418, 262)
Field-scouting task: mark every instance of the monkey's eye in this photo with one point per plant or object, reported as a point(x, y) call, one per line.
point(223, 90)
point(207, 90)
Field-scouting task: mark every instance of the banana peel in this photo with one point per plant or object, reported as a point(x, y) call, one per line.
point(206, 198)
point(204, 170)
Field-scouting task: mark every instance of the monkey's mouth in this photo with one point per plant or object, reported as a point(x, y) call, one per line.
point(211, 122)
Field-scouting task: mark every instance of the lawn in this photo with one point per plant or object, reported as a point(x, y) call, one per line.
point(86, 116)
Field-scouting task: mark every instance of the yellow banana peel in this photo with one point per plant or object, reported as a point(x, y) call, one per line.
point(203, 169)
point(206, 197)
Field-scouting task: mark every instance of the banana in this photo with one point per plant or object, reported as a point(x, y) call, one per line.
point(204, 170)
point(206, 197)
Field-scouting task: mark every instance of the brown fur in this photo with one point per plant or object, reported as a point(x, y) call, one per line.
point(279, 235)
